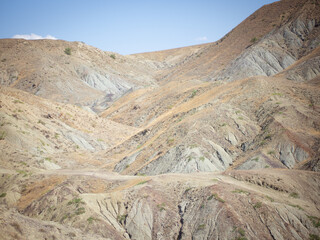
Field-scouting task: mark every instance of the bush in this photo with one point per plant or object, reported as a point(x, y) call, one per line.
point(253, 40)
point(67, 51)
point(2, 135)
point(257, 205)
point(113, 56)
point(294, 195)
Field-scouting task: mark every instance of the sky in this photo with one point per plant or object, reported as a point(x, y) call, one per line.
point(125, 26)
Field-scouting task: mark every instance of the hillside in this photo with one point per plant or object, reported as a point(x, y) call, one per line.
point(212, 141)
point(87, 77)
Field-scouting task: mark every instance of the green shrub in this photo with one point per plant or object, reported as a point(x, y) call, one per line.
point(201, 227)
point(270, 199)
point(2, 135)
point(254, 39)
point(241, 232)
point(314, 237)
point(91, 219)
point(294, 195)
point(75, 201)
point(315, 221)
point(3, 195)
point(257, 205)
point(80, 211)
point(194, 93)
point(67, 51)
point(271, 152)
point(161, 207)
point(143, 182)
point(296, 206)
point(113, 56)
point(216, 197)
point(237, 190)
point(122, 218)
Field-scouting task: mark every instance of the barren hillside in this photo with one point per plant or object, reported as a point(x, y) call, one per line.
point(213, 141)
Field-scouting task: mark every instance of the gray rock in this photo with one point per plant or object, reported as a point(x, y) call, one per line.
point(139, 221)
point(291, 154)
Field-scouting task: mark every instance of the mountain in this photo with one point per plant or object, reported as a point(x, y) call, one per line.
point(212, 141)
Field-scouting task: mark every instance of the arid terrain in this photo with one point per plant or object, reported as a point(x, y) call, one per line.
point(213, 141)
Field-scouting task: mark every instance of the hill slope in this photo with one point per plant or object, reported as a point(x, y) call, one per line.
point(214, 141)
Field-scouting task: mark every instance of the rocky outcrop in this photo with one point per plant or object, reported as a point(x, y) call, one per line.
point(290, 154)
point(274, 52)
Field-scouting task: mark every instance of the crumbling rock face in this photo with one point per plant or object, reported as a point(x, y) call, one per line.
point(273, 53)
point(290, 154)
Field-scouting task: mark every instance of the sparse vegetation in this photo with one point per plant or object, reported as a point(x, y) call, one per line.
point(294, 195)
point(75, 201)
point(142, 182)
point(170, 141)
point(194, 93)
point(257, 205)
point(113, 56)
point(141, 174)
point(216, 197)
point(268, 136)
point(122, 218)
point(296, 206)
point(263, 142)
point(315, 221)
point(201, 227)
point(23, 173)
point(41, 122)
point(270, 199)
point(201, 158)
point(2, 195)
point(80, 211)
point(161, 207)
point(253, 40)
point(241, 232)
point(271, 152)
point(256, 159)
point(2, 135)
point(237, 190)
point(17, 101)
point(67, 51)
point(193, 146)
point(313, 237)
point(91, 219)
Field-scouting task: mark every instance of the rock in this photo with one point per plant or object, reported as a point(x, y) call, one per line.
point(232, 138)
point(291, 154)
point(139, 222)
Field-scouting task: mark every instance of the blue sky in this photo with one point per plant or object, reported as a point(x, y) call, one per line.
point(126, 26)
